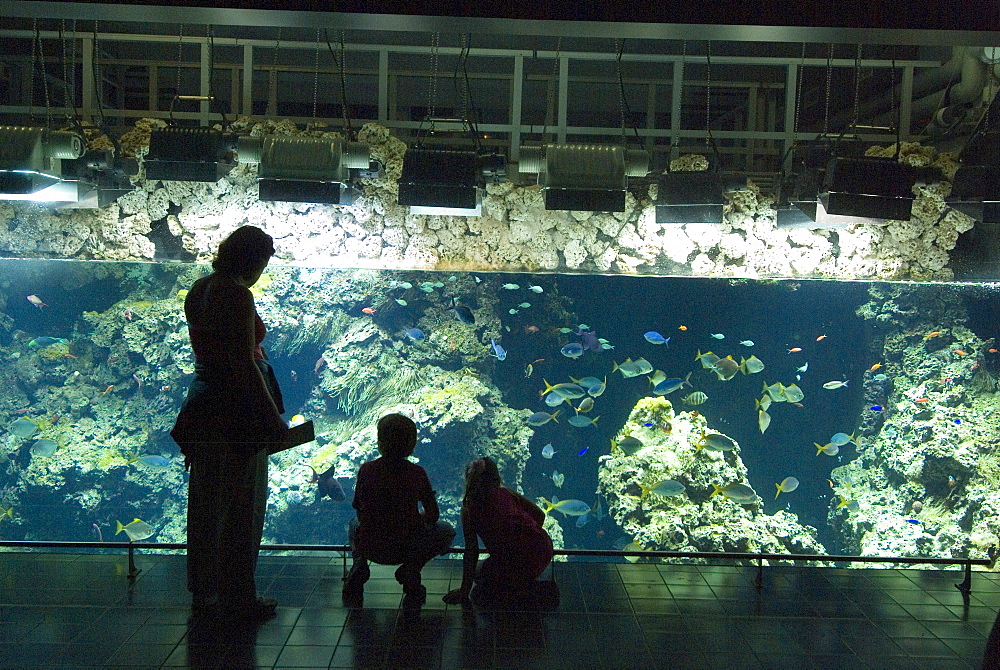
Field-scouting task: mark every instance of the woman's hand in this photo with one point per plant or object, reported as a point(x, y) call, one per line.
point(456, 596)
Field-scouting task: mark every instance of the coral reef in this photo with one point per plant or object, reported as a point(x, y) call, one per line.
point(694, 519)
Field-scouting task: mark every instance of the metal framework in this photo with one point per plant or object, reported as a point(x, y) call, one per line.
point(766, 130)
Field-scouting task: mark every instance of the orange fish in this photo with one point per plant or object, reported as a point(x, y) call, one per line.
point(821, 337)
point(830, 482)
point(874, 367)
point(960, 352)
point(932, 334)
point(367, 310)
point(667, 427)
point(922, 400)
point(531, 329)
point(105, 391)
point(695, 413)
point(992, 351)
point(798, 404)
point(795, 350)
point(69, 355)
point(682, 327)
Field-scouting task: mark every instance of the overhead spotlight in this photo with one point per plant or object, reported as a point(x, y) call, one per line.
point(448, 182)
point(869, 188)
point(190, 154)
point(102, 178)
point(975, 191)
point(584, 177)
point(307, 169)
point(32, 164)
point(690, 197)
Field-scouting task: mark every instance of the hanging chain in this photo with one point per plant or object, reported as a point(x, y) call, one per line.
point(621, 85)
point(708, 93)
point(31, 79)
point(857, 88)
point(551, 90)
point(829, 83)
point(180, 56)
point(464, 90)
point(798, 89)
point(432, 87)
point(65, 60)
point(41, 61)
point(316, 76)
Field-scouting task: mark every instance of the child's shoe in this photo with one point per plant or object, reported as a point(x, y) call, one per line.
point(415, 597)
point(354, 582)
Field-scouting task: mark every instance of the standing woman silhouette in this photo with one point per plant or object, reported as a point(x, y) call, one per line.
point(231, 415)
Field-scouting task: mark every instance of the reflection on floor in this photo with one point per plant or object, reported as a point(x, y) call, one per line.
point(72, 610)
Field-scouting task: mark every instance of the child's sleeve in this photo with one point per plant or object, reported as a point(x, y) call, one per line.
point(428, 499)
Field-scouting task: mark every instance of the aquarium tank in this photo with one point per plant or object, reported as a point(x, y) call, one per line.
point(733, 383)
point(643, 406)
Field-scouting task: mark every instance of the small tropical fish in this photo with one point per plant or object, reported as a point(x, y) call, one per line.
point(668, 427)
point(36, 301)
point(682, 327)
point(628, 369)
point(726, 368)
point(821, 337)
point(400, 301)
point(108, 390)
point(462, 313)
point(135, 530)
point(922, 400)
point(932, 334)
point(567, 507)
point(763, 420)
point(415, 334)
point(917, 521)
point(992, 351)
point(836, 384)
point(585, 405)
point(405, 285)
point(830, 449)
point(787, 485)
point(715, 442)
point(803, 368)
point(565, 390)
point(327, 484)
point(582, 421)
point(512, 311)
point(628, 445)
point(874, 367)
point(511, 287)
point(7, 513)
point(43, 448)
point(959, 352)
point(152, 461)
point(554, 400)
point(880, 377)
point(497, 351)
point(46, 341)
point(750, 366)
point(876, 408)
point(597, 389)
point(128, 314)
point(583, 451)
point(548, 451)
point(666, 488)
point(708, 359)
point(957, 422)
point(24, 427)
point(718, 336)
point(840, 439)
point(427, 287)
point(795, 350)
point(747, 343)
point(793, 393)
point(558, 478)
point(453, 278)
point(670, 385)
point(535, 289)
point(528, 370)
point(654, 337)
point(695, 398)
point(524, 305)
point(851, 505)
point(738, 493)
point(531, 329)
point(951, 481)
point(296, 420)
point(542, 418)
point(572, 350)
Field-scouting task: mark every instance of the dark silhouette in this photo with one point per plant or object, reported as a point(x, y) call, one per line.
point(391, 529)
point(510, 527)
point(231, 415)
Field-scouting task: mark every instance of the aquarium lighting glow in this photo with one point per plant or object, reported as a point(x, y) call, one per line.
point(31, 164)
point(190, 154)
point(306, 169)
point(869, 187)
point(689, 197)
point(975, 191)
point(447, 182)
point(584, 177)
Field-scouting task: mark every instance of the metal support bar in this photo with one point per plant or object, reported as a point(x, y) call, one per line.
point(516, 91)
point(676, 96)
point(133, 571)
point(791, 95)
point(205, 84)
point(87, 83)
point(906, 103)
point(383, 86)
point(563, 99)
point(966, 585)
point(247, 101)
point(758, 581)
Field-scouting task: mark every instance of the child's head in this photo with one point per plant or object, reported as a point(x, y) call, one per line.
point(397, 436)
point(482, 472)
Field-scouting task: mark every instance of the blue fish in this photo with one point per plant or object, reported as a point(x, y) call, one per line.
point(654, 337)
point(583, 451)
point(913, 521)
point(876, 408)
point(958, 422)
point(415, 334)
point(572, 350)
point(154, 461)
point(498, 351)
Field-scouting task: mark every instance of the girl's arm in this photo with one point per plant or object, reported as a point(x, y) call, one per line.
point(469, 561)
point(531, 508)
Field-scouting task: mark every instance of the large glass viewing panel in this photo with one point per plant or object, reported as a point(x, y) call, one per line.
point(687, 414)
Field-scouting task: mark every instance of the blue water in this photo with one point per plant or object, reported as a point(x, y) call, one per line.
point(82, 501)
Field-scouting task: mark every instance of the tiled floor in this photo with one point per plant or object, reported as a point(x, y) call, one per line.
point(75, 611)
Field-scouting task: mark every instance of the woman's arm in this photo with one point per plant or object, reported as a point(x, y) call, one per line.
point(469, 561)
point(245, 371)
